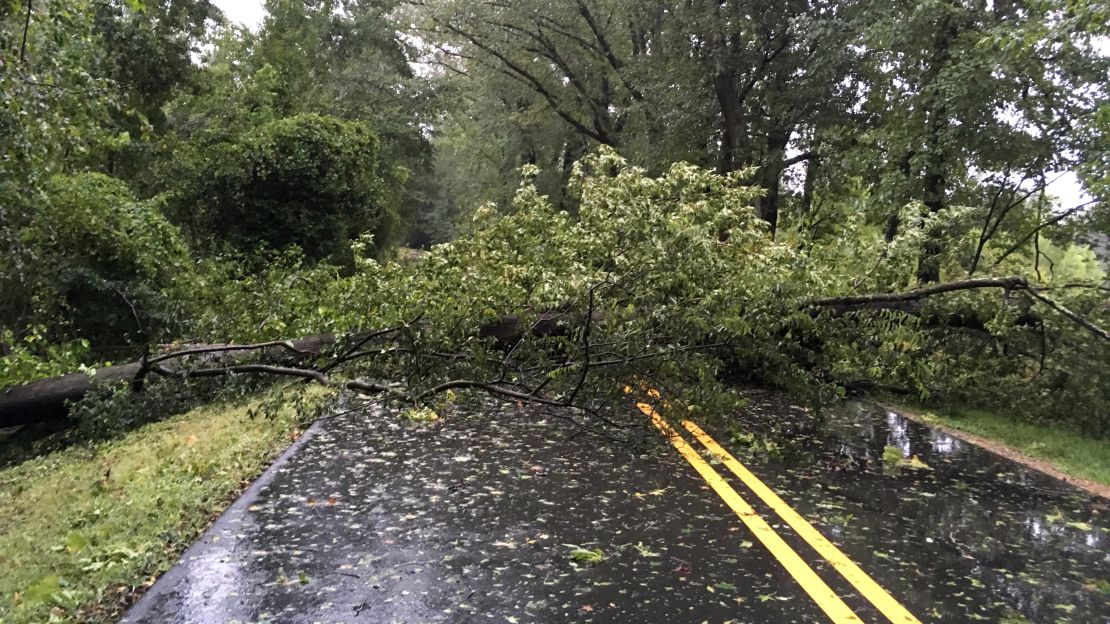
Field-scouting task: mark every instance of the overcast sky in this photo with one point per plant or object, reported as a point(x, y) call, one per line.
point(250, 13)
point(246, 12)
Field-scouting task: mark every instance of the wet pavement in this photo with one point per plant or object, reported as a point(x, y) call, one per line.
point(505, 515)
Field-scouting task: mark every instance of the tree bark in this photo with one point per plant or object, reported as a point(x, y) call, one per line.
point(809, 186)
point(770, 178)
point(935, 179)
point(49, 399)
point(728, 98)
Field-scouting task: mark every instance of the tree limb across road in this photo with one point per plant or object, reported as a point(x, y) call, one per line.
point(308, 358)
point(905, 301)
point(896, 301)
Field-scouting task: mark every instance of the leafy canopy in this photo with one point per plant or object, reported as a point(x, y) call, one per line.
point(309, 181)
point(98, 264)
point(675, 280)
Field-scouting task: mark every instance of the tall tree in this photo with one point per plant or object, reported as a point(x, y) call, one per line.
point(346, 58)
point(963, 113)
point(730, 82)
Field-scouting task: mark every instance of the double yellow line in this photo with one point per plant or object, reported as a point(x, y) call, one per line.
point(818, 590)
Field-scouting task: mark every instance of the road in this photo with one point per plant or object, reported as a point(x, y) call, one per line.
point(510, 515)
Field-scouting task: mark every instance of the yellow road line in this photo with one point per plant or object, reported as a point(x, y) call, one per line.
point(851, 572)
point(821, 593)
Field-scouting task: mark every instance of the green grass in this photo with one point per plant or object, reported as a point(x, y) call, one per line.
point(82, 528)
point(1069, 451)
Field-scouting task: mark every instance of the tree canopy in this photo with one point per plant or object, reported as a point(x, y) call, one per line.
point(826, 195)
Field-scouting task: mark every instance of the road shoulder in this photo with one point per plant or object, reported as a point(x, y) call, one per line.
point(1004, 450)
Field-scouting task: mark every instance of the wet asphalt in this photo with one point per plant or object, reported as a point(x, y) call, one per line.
point(478, 517)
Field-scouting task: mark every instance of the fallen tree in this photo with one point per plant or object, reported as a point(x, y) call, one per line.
point(307, 358)
point(670, 280)
point(49, 399)
point(910, 302)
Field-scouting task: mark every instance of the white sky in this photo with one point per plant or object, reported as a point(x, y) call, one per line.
point(250, 13)
point(246, 12)
point(1068, 190)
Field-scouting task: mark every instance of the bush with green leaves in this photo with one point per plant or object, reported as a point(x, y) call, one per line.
point(96, 264)
point(34, 356)
point(308, 181)
point(675, 282)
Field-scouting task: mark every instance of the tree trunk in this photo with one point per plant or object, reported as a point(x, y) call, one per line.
point(934, 183)
point(49, 399)
point(809, 186)
point(770, 178)
point(928, 266)
point(724, 86)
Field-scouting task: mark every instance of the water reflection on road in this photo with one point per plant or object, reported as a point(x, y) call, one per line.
point(476, 517)
point(961, 535)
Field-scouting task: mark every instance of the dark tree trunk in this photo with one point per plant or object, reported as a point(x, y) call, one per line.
point(770, 178)
point(893, 222)
point(809, 186)
point(49, 399)
point(928, 266)
point(728, 99)
point(934, 182)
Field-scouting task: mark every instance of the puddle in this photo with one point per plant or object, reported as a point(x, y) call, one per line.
point(964, 536)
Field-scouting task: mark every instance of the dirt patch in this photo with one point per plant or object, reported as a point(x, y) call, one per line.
point(1040, 465)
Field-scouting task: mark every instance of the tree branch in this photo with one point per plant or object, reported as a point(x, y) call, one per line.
point(587, 323)
point(26, 29)
point(534, 82)
point(1077, 319)
point(1053, 221)
point(892, 300)
point(285, 344)
point(898, 301)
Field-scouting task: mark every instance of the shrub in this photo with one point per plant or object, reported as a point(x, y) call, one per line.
point(95, 263)
point(308, 181)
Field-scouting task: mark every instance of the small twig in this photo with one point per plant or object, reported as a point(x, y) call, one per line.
point(365, 339)
point(588, 323)
point(647, 356)
point(496, 390)
point(26, 28)
point(134, 312)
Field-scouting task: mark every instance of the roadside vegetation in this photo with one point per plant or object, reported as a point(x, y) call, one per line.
point(832, 198)
point(88, 525)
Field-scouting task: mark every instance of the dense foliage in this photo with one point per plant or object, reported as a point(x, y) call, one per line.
point(305, 181)
point(685, 287)
point(98, 264)
point(707, 188)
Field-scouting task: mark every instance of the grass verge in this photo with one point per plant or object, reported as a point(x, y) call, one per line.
point(82, 530)
point(1067, 451)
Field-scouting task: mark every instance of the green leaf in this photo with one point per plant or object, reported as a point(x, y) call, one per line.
point(589, 557)
point(76, 542)
point(42, 591)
